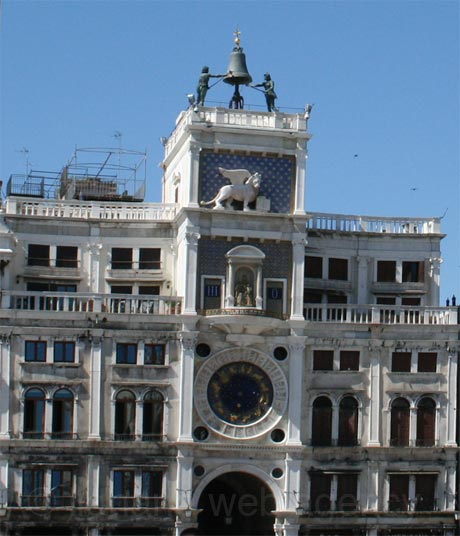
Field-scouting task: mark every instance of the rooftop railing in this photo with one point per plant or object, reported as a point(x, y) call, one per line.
point(86, 210)
point(237, 118)
point(367, 224)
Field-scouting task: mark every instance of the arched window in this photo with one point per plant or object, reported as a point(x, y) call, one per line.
point(426, 422)
point(152, 422)
point(62, 427)
point(348, 422)
point(125, 416)
point(322, 422)
point(34, 414)
point(400, 415)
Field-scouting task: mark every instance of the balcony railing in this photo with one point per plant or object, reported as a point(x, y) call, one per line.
point(74, 302)
point(53, 501)
point(380, 314)
point(137, 502)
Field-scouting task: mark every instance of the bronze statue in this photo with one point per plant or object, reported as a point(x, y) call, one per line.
point(269, 91)
point(203, 84)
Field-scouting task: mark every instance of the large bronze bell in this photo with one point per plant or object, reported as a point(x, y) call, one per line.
point(237, 73)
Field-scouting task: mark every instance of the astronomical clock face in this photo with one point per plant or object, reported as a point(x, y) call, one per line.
point(240, 393)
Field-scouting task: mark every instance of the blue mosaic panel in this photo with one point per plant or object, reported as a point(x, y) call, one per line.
point(277, 176)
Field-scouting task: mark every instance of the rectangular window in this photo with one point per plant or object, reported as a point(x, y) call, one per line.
point(32, 487)
point(121, 289)
point(150, 290)
point(320, 492)
point(274, 298)
point(122, 258)
point(154, 354)
point(212, 293)
point(35, 351)
point(312, 296)
point(323, 359)
point(414, 302)
point(400, 362)
point(427, 361)
point(412, 272)
point(425, 490)
point(149, 258)
point(61, 487)
point(126, 353)
point(334, 298)
point(338, 269)
point(314, 267)
point(38, 255)
point(347, 486)
point(385, 300)
point(386, 271)
point(66, 257)
point(152, 483)
point(399, 493)
point(64, 352)
point(349, 360)
point(123, 489)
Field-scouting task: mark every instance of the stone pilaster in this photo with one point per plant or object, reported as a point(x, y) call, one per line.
point(298, 262)
point(188, 341)
point(296, 361)
point(95, 387)
point(5, 349)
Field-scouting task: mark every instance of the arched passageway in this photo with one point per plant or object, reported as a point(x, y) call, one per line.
point(236, 503)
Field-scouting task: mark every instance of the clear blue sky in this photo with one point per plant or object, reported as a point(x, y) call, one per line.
point(383, 75)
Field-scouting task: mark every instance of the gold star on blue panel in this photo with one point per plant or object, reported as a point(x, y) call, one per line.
point(277, 176)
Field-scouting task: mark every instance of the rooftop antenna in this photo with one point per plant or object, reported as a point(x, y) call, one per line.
point(25, 152)
point(118, 136)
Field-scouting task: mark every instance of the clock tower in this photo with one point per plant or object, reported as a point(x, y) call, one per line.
point(238, 177)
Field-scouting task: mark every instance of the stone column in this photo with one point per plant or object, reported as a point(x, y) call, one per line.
point(95, 388)
point(362, 293)
point(190, 266)
point(188, 340)
point(372, 496)
point(335, 423)
point(192, 200)
point(3, 482)
point(94, 267)
point(296, 361)
point(138, 419)
point(298, 262)
point(259, 290)
point(452, 399)
point(375, 410)
point(184, 479)
point(5, 346)
point(301, 164)
point(450, 488)
point(435, 278)
point(93, 470)
point(229, 297)
point(48, 416)
point(292, 470)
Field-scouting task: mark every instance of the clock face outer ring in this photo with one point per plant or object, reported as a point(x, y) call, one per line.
point(234, 356)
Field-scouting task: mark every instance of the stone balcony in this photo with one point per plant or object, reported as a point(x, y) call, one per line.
point(77, 302)
point(128, 304)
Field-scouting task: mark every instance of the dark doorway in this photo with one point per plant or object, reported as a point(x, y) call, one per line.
point(236, 504)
